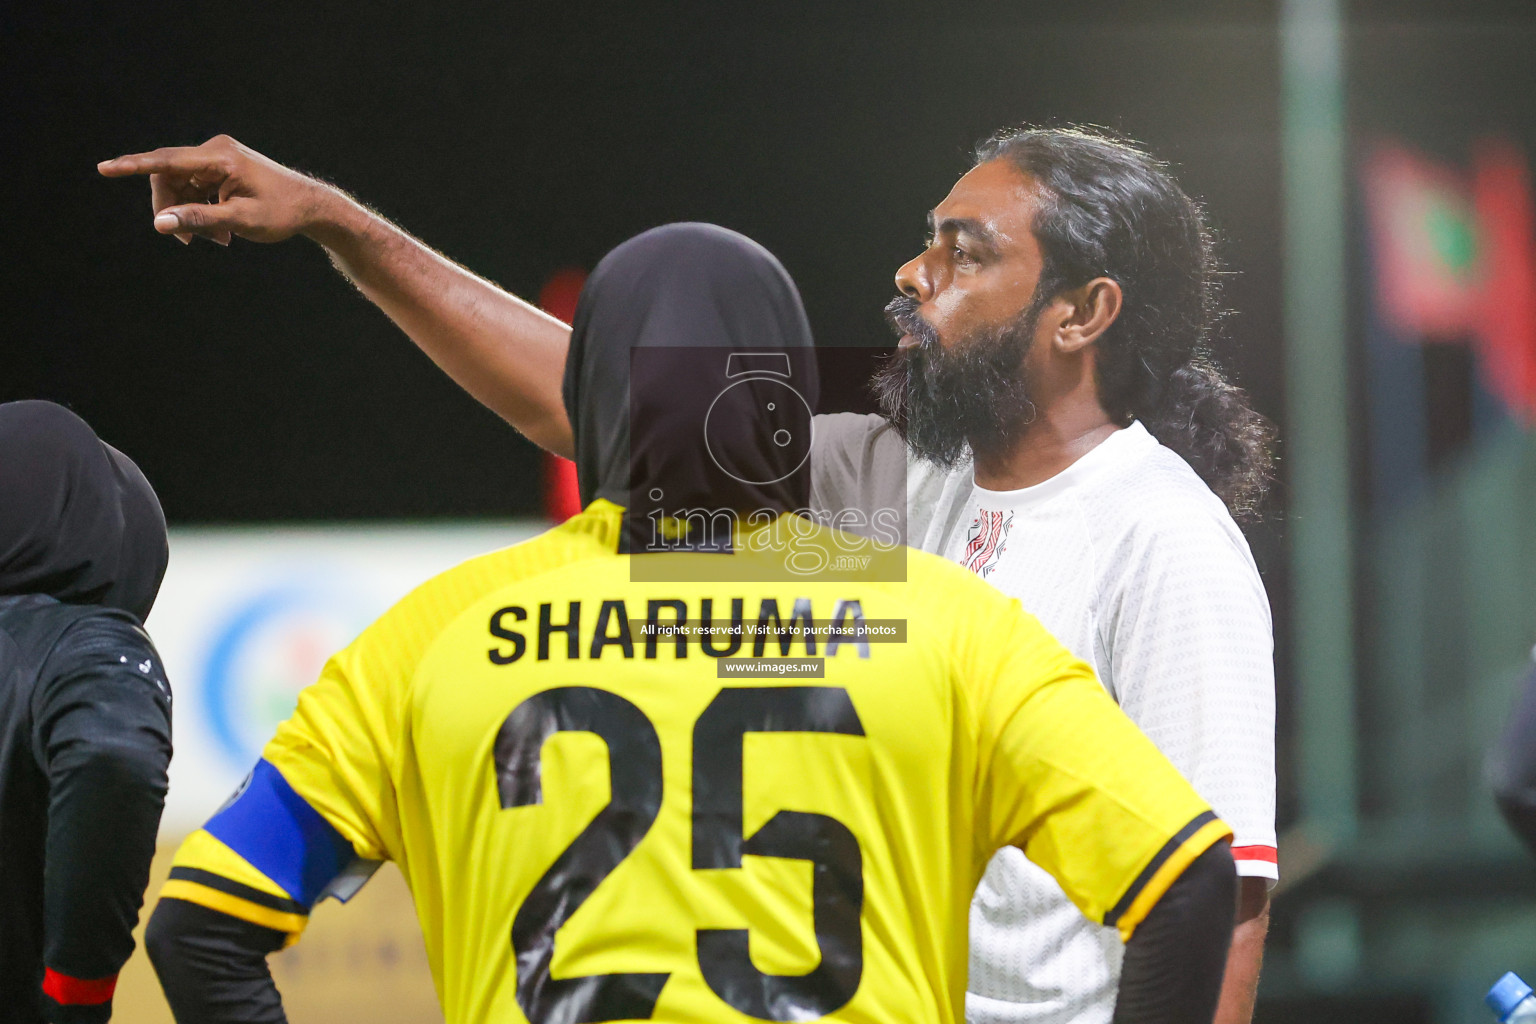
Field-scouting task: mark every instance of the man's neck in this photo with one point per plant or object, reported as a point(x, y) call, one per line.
point(1050, 445)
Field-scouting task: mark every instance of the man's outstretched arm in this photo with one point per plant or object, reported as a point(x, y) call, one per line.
point(505, 352)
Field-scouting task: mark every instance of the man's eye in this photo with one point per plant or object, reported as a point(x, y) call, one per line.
point(961, 256)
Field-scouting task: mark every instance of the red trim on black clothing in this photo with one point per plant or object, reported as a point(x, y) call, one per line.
point(67, 991)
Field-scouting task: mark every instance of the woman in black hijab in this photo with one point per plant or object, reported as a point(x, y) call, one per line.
point(85, 712)
point(690, 383)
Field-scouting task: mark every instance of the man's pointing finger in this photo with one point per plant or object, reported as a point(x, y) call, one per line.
point(177, 160)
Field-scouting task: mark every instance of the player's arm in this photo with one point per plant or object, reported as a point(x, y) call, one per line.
point(315, 817)
point(1190, 657)
point(505, 352)
point(1133, 845)
point(1087, 797)
point(1175, 959)
point(102, 736)
point(240, 888)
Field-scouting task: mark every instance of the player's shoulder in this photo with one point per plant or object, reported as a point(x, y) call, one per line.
point(860, 460)
point(931, 574)
point(432, 606)
point(841, 429)
point(950, 599)
point(1150, 496)
point(96, 629)
point(842, 439)
point(979, 631)
point(45, 643)
point(854, 445)
point(50, 629)
point(856, 437)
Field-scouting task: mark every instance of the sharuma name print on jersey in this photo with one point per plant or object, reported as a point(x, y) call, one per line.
point(672, 623)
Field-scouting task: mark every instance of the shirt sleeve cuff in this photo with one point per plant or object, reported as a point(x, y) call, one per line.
point(1257, 862)
point(71, 1000)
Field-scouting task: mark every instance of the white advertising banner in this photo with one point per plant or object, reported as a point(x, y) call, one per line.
point(248, 616)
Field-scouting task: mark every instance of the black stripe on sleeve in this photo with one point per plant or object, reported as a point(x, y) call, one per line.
point(1179, 839)
point(244, 892)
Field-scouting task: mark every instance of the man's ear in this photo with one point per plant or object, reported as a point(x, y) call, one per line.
point(1092, 307)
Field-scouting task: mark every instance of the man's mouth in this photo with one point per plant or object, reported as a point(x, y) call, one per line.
point(912, 331)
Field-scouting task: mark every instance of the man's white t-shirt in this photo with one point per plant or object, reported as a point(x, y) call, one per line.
point(1136, 567)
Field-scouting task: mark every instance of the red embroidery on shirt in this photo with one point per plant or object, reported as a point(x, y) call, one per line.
point(985, 541)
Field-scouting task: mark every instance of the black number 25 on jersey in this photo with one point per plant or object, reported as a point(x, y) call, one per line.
point(837, 863)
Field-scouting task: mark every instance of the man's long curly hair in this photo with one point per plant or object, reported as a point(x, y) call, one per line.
point(1108, 209)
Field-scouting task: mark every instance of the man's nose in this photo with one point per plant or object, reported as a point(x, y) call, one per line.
point(915, 280)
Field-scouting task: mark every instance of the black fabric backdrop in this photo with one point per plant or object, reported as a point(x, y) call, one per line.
point(251, 383)
point(520, 138)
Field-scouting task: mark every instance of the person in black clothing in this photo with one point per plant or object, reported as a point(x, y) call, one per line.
point(85, 712)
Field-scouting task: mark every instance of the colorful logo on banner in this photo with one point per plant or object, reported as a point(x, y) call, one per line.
point(269, 648)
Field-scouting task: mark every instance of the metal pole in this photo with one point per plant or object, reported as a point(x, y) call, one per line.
point(1317, 413)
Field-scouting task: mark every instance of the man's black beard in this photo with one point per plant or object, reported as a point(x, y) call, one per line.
point(974, 391)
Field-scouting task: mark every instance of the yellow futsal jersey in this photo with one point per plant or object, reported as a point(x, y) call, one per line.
point(598, 823)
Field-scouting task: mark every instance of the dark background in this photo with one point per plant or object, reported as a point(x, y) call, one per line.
point(252, 384)
point(519, 138)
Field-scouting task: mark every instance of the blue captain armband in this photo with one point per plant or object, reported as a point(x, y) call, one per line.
point(279, 834)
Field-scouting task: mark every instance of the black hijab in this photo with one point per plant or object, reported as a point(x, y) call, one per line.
point(78, 521)
point(691, 377)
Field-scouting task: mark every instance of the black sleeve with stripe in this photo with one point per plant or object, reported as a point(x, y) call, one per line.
point(1112, 919)
point(102, 735)
point(245, 893)
point(212, 966)
point(1177, 956)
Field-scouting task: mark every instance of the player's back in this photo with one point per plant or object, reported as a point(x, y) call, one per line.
point(599, 823)
point(601, 820)
point(783, 847)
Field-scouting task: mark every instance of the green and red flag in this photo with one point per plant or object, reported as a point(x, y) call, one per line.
point(1454, 254)
point(1424, 226)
